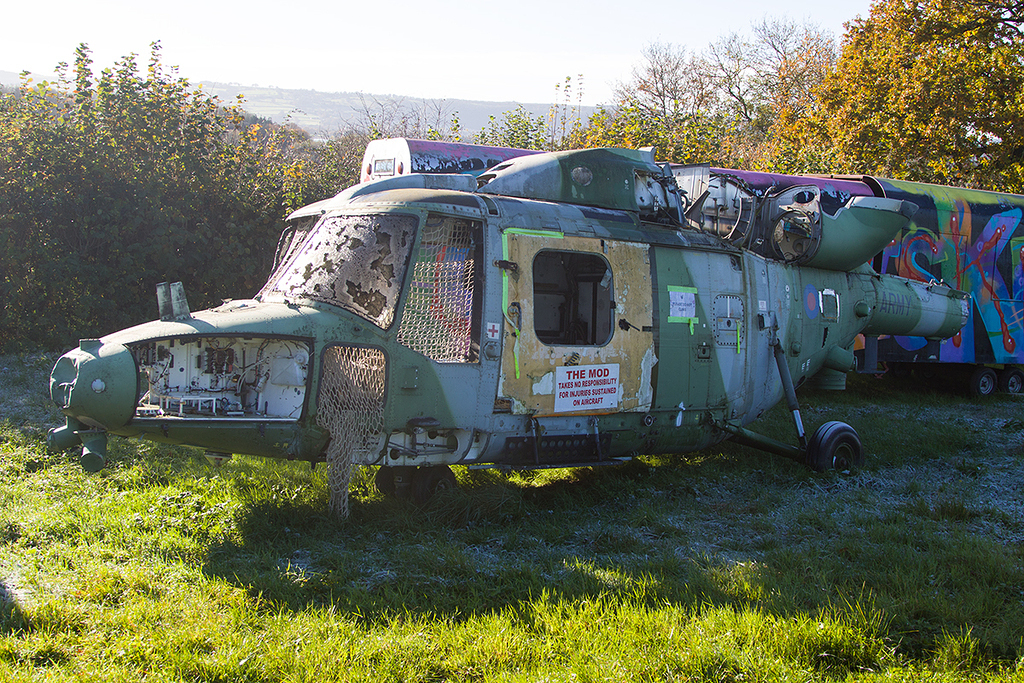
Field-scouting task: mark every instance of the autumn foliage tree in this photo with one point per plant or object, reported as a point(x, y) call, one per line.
point(931, 90)
point(719, 106)
point(927, 90)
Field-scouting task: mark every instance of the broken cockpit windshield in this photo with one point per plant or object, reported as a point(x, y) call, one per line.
point(355, 262)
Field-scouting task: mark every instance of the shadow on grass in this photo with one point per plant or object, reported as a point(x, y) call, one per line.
point(497, 542)
point(12, 618)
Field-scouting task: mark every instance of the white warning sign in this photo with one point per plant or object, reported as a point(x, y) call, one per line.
point(587, 387)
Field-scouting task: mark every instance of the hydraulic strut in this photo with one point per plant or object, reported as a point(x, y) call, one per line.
point(787, 386)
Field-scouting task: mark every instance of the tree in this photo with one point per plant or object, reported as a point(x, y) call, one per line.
point(565, 119)
point(668, 104)
point(516, 128)
point(333, 165)
point(113, 183)
point(394, 118)
point(683, 139)
point(668, 84)
point(721, 106)
point(767, 83)
point(778, 70)
point(931, 90)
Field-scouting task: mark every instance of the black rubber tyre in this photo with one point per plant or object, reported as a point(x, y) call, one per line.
point(430, 480)
point(982, 382)
point(384, 481)
point(1011, 381)
point(835, 446)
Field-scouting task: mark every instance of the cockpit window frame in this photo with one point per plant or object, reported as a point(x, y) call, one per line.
point(328, 251)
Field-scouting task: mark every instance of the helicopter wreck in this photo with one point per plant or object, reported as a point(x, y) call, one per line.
point(558, 310)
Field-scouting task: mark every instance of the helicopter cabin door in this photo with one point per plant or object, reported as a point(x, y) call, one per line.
point(578, 324)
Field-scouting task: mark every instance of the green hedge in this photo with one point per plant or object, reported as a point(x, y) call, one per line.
point(111, 184)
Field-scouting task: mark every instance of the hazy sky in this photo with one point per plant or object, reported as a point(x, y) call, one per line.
point(509, 51)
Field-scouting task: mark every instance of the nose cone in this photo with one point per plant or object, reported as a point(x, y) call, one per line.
point(96, 384)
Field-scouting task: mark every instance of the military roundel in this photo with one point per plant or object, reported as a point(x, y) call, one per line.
point(811, 301)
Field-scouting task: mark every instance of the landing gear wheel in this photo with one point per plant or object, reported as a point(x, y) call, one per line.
point(835, 446)
point(384, 481)
point(1011, 381)
point(430, 480)
point(982, 382)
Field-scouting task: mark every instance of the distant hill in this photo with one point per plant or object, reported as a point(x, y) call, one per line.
point(326, 113)
point(10, 78)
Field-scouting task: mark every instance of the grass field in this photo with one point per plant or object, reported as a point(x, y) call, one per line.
point(724, 565)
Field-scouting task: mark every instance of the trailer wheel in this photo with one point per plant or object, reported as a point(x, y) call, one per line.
point(835, 446)
point(899, 370)
point(1011, 381)
point(430, 480)
point(982, 382)
point(384, 481)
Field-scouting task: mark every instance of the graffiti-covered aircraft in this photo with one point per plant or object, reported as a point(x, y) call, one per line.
point(557, 310)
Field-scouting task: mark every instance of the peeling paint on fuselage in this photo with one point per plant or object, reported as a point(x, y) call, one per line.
point(646, 393)
point(545, 385)
point(630, 347)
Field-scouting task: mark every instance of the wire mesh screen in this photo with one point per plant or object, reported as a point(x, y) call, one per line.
point(350, 407)
point(438, 316)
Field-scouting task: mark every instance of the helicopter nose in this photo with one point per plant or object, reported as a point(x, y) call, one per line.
point(96, 384)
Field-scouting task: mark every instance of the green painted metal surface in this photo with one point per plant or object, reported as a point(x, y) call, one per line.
point(561, 315)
